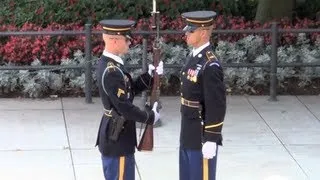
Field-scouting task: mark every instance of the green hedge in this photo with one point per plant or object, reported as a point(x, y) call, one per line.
point(44, 12)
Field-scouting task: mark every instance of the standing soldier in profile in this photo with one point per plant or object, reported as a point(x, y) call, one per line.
point(203, 101)
point(117, 132)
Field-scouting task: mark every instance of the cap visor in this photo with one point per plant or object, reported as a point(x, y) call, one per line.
point(189, 28)
point(128, 36)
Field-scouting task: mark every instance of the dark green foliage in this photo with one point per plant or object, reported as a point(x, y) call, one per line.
point(45, 12)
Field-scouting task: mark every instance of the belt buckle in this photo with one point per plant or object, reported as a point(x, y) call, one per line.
point(108, 112)
point(183, 101)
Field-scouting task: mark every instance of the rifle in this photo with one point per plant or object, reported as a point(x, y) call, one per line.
point(146, 142)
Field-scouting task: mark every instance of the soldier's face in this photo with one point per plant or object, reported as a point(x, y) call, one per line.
point(117, 43)
point(123, 44)
point(193, 38)
point(196, 37)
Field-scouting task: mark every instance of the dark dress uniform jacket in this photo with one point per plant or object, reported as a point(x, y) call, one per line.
point(202, 82)
point(121, 90)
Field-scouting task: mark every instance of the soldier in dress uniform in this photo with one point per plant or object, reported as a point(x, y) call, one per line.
point(117, 132)
point(203, 101)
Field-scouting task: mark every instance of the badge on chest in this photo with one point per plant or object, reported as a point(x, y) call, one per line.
point(192, 74)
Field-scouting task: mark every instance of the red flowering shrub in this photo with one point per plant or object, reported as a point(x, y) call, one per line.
point(50, 49)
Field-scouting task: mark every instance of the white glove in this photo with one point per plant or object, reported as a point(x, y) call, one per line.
point(156, 114)
point(209, 150)
point(159, 68)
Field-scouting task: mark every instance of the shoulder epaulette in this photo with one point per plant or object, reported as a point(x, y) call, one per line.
point(111, 67)
point(211, 56)
point(211, 59)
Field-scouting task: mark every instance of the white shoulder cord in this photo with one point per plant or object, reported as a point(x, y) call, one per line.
point(104, 73)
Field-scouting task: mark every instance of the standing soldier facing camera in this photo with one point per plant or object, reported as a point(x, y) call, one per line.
point(203, 101)
point(117, 132)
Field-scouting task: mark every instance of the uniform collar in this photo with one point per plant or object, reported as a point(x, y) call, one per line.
point(112, 56)
point(199, 49)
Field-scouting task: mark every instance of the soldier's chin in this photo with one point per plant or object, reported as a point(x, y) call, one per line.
point(125, 51)
point(187, 40)
point(189, 43)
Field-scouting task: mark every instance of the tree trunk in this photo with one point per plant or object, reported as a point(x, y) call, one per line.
point(274, 9)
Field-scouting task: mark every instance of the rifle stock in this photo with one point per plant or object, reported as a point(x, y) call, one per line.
point(146, 143)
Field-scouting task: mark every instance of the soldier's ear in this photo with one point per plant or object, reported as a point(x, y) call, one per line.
point(206, 33)
point(203, 33)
